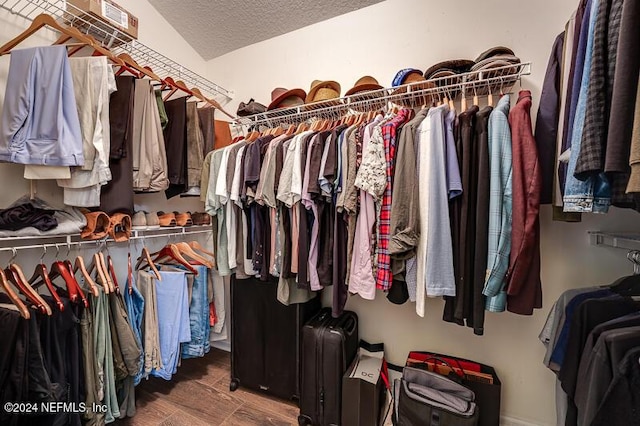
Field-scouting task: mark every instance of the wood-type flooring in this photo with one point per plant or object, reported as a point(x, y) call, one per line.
point(199, 395)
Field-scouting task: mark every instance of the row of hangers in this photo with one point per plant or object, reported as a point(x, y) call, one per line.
point(123, 60)
point(62, 275)
point(369, 108)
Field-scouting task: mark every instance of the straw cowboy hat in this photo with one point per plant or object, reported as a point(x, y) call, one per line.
point(323, 91)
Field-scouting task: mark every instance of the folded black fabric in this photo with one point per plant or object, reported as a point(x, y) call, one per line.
point(25, 215)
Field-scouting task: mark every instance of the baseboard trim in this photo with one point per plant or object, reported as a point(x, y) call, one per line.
point(223, 345)
point(512, 421)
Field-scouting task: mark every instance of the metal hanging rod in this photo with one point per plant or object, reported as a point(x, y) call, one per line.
point(117, 41)
point(475, 83)
point(74, 240)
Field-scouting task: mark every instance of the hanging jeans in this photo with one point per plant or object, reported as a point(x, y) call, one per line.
point(135, 309)
point(198, 317)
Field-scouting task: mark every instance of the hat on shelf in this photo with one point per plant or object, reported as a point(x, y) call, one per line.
point(494, 51)
point(364, 93)
point(448, 68)
point(364, 84)
point(250, 108)
point(323, 91)
point(409, 76)
point(495, 62)
point(284, 98)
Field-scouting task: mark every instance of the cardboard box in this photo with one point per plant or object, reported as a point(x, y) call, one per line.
point(97, 12)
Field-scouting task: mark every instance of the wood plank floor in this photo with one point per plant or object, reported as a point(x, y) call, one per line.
point(199, 395)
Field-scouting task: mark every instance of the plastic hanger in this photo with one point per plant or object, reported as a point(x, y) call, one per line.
point(40, 273)
point(15, 299)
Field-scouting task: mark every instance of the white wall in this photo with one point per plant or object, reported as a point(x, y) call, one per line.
point(395, 34)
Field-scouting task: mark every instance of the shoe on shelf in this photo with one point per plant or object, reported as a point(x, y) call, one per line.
point(201, 219)
point(166, 219)
point(183, 219)
point(139, 220)
point(152, 220)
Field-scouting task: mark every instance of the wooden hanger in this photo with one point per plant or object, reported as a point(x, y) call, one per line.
point(172, 253)
point(95, 265)
point(186, 249)
point(197, 246)
point(147, 257)
point(301, 128)
point(105, 270)
point(40, 273)
point(42, 20)
point(112, 275)
point(133, 64)
point(175, 86)
point(72, 277)
point(290, 130)
point(15, 299)
point(80, 266)
point(15, 275)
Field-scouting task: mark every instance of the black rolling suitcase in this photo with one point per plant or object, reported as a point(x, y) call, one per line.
point(266, 338)
point(329, 345)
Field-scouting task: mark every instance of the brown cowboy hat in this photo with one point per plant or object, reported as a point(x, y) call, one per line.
point(284, 98)
point(364, 84)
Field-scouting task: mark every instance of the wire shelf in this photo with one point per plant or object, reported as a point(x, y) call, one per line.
point(117, 41)
point(10, 244)
point(475, 83)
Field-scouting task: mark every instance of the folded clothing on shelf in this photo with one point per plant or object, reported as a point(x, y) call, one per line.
point(27, 217)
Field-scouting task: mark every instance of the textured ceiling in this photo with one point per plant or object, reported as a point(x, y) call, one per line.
point(215, 27)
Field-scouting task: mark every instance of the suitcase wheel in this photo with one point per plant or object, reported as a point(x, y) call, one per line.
point(233, 385)
point(303, 421)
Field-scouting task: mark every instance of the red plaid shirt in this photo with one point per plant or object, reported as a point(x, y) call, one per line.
point(384, 276)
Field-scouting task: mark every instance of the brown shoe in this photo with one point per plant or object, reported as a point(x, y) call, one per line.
point(183, 219)
point(98, 226)
point(120, 227)
point(167, 219)
point(201, 219)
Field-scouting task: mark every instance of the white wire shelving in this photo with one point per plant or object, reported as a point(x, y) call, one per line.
point(492, 81)
point(14, 244)
point(118, 42)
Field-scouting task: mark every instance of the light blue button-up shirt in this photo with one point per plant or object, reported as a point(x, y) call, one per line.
point(500, 206)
